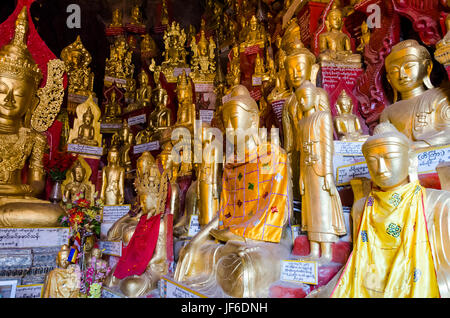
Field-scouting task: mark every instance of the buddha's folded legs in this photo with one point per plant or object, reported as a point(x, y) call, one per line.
point(30, 214)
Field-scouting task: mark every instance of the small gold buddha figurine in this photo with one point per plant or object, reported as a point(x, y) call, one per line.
point(77, 60)
point(322, 215)
point(63, 281)
point(148, 47)
point(243, 29)
point(259, 70)
point(136, 17)
point(346, 123)
point(281, 89)
point(164, 16)
point(246, 252)
point(174, 51)
point(113, 179)
point(399, 213)
point(125, 139)
point(422, 114)
point(203, 63)
point(77, 182)
point(186, 108)
point(365, 37)
point(86, 127)
point(117, 17)
point(335, 45)
point(119, 64)
point(143, 94)
point(145, 260)
point(255, 35)
point(234, 75)
point(22, 142)
point(113, 110)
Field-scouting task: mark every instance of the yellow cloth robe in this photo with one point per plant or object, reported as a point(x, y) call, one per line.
point(392, 256)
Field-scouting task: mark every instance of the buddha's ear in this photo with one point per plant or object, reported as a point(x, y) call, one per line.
point(427, 80)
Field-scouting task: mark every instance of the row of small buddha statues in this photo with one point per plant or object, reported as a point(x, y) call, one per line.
point(242, 238)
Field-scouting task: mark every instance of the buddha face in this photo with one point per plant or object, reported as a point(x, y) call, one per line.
point(87, 119)
point(113, 157)
point(62, 259)
point(184, 95)
point(253, 25)
point(236, 117)
point(16, 96)
point(407, 72)
point(335, 19)
point(306, 98)
point(388, 164)
point(344, 104)
point(75, 59)
point(298, 69)
point(78, 174)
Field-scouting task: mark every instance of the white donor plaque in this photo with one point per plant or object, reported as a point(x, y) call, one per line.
point(347, 173)
point(136, 120)
point(171, 289)
point(430, 158)
point(179, 70)
point(111, 248)
point(348, 148)
point(117, 80)
point(89, 150)
point(33, 237)
point(150, 146)
point(299, 271)
point(194, 225)
point(206, 115)
point(256, 80)
point(111, 213)
point(29, 291)
point(204, 87)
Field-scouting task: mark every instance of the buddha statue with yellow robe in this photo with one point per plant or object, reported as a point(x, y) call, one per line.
point(251, 222)
point(22, 141)
point(423, 113)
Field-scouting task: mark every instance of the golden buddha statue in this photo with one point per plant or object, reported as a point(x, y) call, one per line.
point(77, 182)
point(136, 17)
point(186, 108)
point(234, 75)
point(22, 124)
point(164, 17)
point(365, 37)
point(77, 60)
point(113, 110)
point(119, 64)
point(169, 167)
point(281, 89)
point(117, 17)
point(346, 123)
point(248, 252)
point(145, 235)
point(322, 215)
point(113, 179)
point(143, 94)
point(63, 281)
point(174, 51)
point(203, 63)
point(125, 140)
point(255, 35)
point(300, 66)
point(86, 127)
point(243, 29)
point(410, 219)
point(335, 45)
point(259, 69)
point(423, 113)
point(148, 47)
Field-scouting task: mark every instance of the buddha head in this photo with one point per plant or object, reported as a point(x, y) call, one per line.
point(202, 44)
point(113, 156)
point(112, 97)
point(300, 66)
point(311, 97)
point(408, 69)
point(344, 103)
point(184, 89)
point(19, 77)
point(88, 117)
point(147, 181)
point(117, 17)
point(334, 19)
point(390, 157)
point(63, 256)
point(253, 23)
point(78, 172)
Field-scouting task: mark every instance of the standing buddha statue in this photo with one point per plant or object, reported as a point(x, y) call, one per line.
point(113, 179)
point(423, 113)
point(186, 108)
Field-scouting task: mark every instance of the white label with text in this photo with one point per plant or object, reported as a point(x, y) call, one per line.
point(299, 271)
point(33, 237)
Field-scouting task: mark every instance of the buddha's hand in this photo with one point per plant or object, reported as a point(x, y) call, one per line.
point(328, 184)
point(185, 260)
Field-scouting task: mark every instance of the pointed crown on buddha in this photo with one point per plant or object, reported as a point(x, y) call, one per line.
point(15, 58)
point(148, 174)
point(183, 82)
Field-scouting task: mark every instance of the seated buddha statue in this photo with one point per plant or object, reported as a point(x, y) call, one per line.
point(247, 259)
point(117, 16)
point(20, 143)
point(346, 123)
point(186, 107)
point(408, 221)
point(144, 235)
point(422, 114)
point(77, 60)
point(335, 45)
point(136, 17)
point(259, 70)
point(164, 16)
point(255, 35)
point(77, 182)
point(142, 95)
point(365, 37)
point(86, 131)
point(113, 110)
point(64, 280)
point(148, 47)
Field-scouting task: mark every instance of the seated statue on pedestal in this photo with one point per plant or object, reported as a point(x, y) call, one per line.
point(252, 219)
point(423, 113)
point(346, 123)
point(77, 182)
point(21, 143)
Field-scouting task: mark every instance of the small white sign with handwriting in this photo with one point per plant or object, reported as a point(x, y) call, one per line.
point(33, 237)
point(300, 271)
point(111, 248)
point(150, 146)
point(85, 149)
point(111, 213)
point(194, 225)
